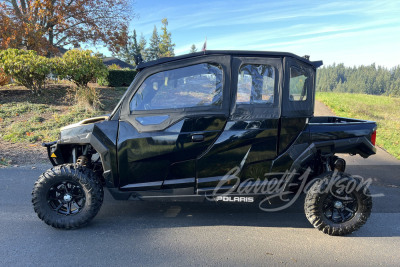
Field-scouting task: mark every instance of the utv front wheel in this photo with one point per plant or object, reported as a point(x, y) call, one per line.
point(67, 196)
point(338, 208)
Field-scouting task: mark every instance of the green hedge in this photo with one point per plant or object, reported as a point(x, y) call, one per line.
point(117, 78)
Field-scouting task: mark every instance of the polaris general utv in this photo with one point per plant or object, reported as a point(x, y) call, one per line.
point(186, 122)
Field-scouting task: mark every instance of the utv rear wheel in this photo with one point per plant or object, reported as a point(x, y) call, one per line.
point(338, 208)
point(67, 196)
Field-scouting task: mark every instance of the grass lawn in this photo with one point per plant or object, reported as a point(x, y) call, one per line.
point(384, 110)
point(35, 119)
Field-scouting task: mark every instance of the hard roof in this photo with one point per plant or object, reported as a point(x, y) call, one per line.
point(144, 65)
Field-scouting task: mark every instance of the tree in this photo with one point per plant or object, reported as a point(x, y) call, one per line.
point(370, 79)
point(159, 45)
point(28, 68)
point(8, 28)
point(395, 81)
point(166, 47)
point(131, 48)
point(47, 24)
point(135, 44)
point(125, 51)
point(193, 48)
point(153, 51)
point(142, 46)
point(138, 48)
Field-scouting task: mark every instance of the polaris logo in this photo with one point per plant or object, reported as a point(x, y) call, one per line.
point(235, 199)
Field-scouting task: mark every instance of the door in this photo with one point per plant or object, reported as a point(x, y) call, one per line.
point(248, 143)
point(171, 115)
point(297, 101)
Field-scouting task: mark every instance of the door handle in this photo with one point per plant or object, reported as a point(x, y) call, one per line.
point(197, 138)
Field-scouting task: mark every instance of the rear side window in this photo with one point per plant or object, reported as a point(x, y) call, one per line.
point(298, 84)
point(256, 84)
point(193, 86)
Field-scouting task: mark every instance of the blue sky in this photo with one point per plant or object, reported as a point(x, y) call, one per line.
point(352, 32)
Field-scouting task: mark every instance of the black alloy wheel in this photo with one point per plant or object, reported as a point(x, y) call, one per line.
point(67, 196)
point(335, 211)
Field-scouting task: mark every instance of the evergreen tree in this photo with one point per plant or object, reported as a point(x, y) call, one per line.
point(135, 45)
point(138, 48)
point(153, 51)
point(132, 48)
point(125, 52)
point(370, 79)
point(142, 47)
point(193, 48)
point(166, 47)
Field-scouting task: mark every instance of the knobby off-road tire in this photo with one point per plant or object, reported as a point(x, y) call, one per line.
point(67, 196)
point(323, 209)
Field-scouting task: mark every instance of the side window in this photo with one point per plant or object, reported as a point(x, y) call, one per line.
point(193, 86)
point(298, 84)
point(256, 84)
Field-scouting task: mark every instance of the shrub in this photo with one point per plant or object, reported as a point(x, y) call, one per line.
point(81, 67)
point(114, 67)
point(102, 81)
point(4, 79)
point(27, 67)
point(118, 78)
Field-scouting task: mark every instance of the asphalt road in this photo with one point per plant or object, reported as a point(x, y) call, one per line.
point(182, 234)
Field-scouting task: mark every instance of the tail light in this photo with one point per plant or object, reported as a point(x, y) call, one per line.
point(373, 137)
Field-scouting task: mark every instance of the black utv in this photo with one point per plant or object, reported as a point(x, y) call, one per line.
point(211, 125)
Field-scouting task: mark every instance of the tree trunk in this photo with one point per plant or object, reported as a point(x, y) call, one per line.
point(51, 43)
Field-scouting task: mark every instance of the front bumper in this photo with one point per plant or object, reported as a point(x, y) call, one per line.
point(51, 149)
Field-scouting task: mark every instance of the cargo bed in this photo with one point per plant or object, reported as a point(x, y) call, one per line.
point(343, 135)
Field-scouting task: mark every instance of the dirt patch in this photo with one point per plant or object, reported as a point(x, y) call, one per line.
point(22, 154)
point(322, 110)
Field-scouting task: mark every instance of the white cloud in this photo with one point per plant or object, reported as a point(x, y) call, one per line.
point(328, 30)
